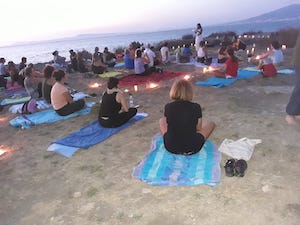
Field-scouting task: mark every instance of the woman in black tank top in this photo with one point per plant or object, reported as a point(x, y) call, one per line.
point(114, 110)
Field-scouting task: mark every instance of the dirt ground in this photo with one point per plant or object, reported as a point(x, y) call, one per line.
point(95, 186)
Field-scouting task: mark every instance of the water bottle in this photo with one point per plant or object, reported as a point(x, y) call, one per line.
point(131, 104)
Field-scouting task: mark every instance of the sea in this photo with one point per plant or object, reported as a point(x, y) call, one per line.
point(41, 52)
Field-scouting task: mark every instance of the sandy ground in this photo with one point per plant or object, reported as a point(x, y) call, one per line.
point(95, 186)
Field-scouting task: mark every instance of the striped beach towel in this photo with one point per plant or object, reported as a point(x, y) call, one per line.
point(162, 168)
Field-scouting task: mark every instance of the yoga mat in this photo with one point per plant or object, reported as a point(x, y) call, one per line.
point(9, 101)
point(133, 79)
point(223, 82)
point(88, 136)
point(216, 82)
point(162, 168)
point(110, 74)
point(47, 116)
point(119, 65)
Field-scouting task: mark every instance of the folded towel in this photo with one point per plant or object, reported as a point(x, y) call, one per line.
point(162, 168)
point(88, 136)
point(47, 116)
point(10, 101)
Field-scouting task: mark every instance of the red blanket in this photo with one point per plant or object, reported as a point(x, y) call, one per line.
point(133, 79)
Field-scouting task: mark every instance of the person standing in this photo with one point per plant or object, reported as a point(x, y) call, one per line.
point(198, 36)
point(293, 106)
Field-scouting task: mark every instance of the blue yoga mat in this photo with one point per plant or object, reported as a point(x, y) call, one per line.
point(46, 116)
point(216, 82)
point(88, 136)
point(223, 82)
point(162, 168)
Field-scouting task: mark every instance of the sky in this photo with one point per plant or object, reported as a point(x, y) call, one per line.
point(37, 20)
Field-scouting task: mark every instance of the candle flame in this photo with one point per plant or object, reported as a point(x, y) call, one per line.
point(187, 77)
point(257, 57)
point(283, 46)
point(95, 85)
point(126, 90)
point(135, 87)
point(152, 85)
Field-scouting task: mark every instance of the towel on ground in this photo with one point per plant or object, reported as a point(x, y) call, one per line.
point(110, 74)
point(223, 82)
point(133, 79)
point(119, 65)
point(41, 104)
point(88, 136)
point(162, 168)
point(15, 100)
point(47, 116)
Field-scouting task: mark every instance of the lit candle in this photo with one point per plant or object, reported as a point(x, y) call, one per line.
point(257, 57)
point(126, 90)
point(187, 77)
point(152, 85)
point(173, 47)
point(204, 70)
point(283, 47)
point(247, 51)
point(268, 49)
point(95, 85)
point(254, 45)
point(135, 87)
point(2, 152)
point(252, 50)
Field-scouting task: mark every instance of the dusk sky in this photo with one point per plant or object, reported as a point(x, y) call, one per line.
point(34, 20)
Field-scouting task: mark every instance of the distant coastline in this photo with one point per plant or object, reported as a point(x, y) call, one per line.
point(40, 52)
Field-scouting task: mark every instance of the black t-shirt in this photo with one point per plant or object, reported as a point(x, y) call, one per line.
point(182, 119)
point(109, 106)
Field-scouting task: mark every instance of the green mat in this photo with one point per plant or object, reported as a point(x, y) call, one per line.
point(110, 74)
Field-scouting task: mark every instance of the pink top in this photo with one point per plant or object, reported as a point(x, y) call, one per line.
point(58, 100)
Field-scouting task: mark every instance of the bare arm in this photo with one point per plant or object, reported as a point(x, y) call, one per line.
point(124, 103)
point(68, 97)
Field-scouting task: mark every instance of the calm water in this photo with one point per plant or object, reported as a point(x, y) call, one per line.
point(41, 52)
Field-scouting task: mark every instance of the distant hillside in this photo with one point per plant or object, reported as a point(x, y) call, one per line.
point(288, 13)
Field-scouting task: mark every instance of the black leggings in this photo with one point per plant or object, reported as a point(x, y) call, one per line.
point(119, 120)
point(71, 107)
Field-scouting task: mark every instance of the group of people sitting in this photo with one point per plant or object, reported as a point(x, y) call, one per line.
point(182, 126)
point(143, 60)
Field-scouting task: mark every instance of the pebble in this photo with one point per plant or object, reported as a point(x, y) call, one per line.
point(266, 188)
point(77, 194)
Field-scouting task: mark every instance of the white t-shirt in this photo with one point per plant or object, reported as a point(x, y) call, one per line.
point(200, 53)
point(151, 56)
point(165, 55)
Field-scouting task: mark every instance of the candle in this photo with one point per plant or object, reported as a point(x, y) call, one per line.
point(204, 70)
point(268, 49)
point(95, 85)
point(252, 50)
point(2, 152)
point(152, 85)
point(257, 57)
point(254, 45)
point(283, 47)
point(135, 87)
point(187, 77)
point(126, 90)
point(247, 51)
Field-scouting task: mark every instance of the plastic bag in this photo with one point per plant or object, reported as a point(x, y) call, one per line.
point(239, 149)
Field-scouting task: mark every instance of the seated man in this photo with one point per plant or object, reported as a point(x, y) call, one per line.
point(58, 60)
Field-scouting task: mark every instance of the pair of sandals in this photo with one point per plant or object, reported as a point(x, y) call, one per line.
point(235, 167)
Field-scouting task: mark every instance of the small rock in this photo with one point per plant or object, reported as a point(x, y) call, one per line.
point(266, 188)
point(146, 191)
point(77, 194)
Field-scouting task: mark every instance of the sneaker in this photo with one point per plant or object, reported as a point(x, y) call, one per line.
point(229, 167)
point(240, 168)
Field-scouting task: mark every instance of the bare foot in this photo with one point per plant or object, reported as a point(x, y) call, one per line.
point(293, 120)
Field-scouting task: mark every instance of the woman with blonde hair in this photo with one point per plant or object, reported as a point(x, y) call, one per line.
point(182, 127)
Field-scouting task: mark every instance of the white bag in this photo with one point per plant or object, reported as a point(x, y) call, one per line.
point(239, 149)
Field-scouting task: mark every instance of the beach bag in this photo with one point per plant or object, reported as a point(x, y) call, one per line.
point(239, 149)
point(30, 107)
point(269, 70)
